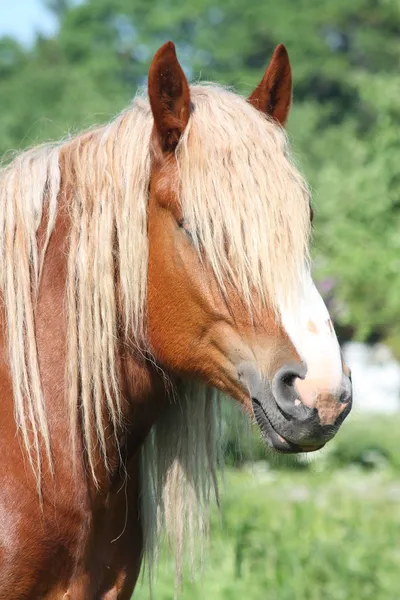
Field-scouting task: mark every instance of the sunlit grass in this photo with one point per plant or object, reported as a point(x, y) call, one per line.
point(303, 535)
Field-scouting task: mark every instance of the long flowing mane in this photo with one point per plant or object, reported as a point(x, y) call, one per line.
point(236, 183)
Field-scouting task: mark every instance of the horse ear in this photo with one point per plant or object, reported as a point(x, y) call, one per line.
point(273, 95)
point(169, 97)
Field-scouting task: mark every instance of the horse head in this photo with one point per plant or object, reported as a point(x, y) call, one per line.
point(231, 301)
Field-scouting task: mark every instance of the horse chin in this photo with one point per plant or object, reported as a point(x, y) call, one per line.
point(274, 439)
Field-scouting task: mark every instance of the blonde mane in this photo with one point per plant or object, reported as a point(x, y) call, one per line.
point(247, 208)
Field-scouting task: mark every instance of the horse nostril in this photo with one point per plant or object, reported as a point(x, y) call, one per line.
point(288, 374)
point(289, 378)
point(346, 393)
point(345, 397)
point(285, 393)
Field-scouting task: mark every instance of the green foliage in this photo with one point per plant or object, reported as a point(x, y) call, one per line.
point(298, 536)
point(344, 124)
point(371, 441)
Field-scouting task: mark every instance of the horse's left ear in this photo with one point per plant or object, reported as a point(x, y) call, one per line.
point(273, 95)
point(169, 97)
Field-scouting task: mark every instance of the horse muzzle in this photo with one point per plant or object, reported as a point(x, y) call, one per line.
point(288, 424)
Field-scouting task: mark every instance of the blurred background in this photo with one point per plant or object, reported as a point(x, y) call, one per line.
point(325, 526)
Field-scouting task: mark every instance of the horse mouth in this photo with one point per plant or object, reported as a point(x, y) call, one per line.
point(276, 440)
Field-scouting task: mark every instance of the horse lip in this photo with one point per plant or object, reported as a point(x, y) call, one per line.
point(275, 440)
point(311, 448)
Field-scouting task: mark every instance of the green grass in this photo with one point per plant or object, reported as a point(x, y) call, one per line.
point(301, 535)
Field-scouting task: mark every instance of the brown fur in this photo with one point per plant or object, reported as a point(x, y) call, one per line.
point(82, 539)
point(273, 95)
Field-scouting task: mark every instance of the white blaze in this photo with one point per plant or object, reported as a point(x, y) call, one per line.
point(310, 329)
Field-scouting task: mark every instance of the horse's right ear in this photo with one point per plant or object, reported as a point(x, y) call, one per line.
point(169, 97)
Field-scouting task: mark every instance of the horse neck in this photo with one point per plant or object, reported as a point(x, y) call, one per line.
point(143, 393)
point(145, 399)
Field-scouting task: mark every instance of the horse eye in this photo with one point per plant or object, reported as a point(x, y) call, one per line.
point(311, 214)
point(183, 225)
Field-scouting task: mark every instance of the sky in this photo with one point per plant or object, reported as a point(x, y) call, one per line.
point(22, 19)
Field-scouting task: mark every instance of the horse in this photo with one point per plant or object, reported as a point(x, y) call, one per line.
point(147, 267)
